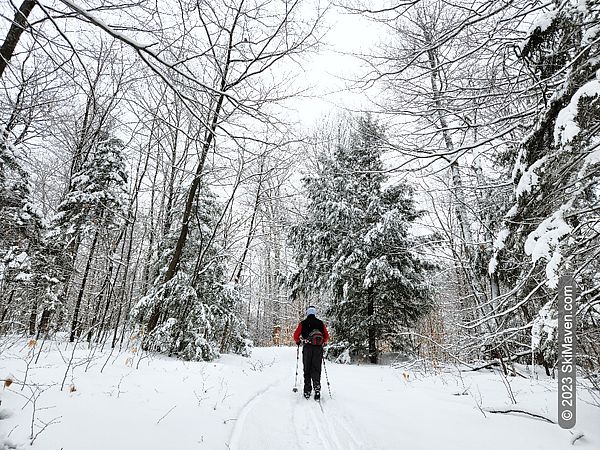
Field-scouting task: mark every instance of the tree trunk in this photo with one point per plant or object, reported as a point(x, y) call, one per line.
point(124, 281)
point(107, 285)
point(240, 265)
point(371, 330)
point(237, 273)
point(44, 323)
point(15, 31)
point(460, 210)
point(6, 308)
point(94, 317)
point(187, 212)
point(33, 319)
point(130, 296)
point(75, 323)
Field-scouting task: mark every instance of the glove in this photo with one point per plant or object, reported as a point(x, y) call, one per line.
point(297, 342)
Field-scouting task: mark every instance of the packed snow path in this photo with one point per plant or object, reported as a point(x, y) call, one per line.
point(241, 403)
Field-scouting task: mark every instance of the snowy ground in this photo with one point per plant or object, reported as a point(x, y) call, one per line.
point(247, 403)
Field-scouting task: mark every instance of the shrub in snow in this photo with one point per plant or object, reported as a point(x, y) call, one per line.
point(335, 351)
point(187, 335)
point(243, 346)
point(344, 358)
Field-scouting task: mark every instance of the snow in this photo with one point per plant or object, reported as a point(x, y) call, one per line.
point(552, 268)
point(593, 158)
point(512, 212)
point(149, 402)
point(501, 239)
point(590, 34)
point(529, 178)
point(81, 179)
point(24, 276)
point(21, 257)
point(566, 128)
point(379, 270)
point(544, 324)
point(541, 22)
point(543, 242)
point(519, 167)
point(493, 265)
point(344, 357)
point(99, 22)
point(581, 6)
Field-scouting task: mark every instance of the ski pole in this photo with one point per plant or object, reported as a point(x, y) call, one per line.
point(326, 377)
point(295, 389)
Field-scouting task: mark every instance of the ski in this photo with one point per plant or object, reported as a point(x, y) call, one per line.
point(320, 405)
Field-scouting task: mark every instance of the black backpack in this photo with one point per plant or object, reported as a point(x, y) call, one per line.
point(315, 337)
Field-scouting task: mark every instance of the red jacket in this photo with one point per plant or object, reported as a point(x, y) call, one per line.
point(310, 323)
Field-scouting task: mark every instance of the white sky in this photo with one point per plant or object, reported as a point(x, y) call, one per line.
point(327, 71)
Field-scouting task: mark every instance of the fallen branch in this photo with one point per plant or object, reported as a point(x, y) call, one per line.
point(498, 361)
point(519, 411)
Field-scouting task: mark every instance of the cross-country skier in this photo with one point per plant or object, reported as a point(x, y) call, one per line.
point(312, 332)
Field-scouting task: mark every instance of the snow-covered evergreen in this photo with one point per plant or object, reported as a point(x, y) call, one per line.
point(96, 195)
point(22, 268)
point(193, 315)
point(553, 222)
point(355, 245)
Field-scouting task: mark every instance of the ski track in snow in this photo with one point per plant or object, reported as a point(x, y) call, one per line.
point(332, 425)
point(345, 425)
point(241, 419)
point(373, 409)
point(276, 418)
point(326, 443)
point(306, 415)
point(304, 423)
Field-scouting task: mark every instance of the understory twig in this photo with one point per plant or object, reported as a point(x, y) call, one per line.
point(166, 414)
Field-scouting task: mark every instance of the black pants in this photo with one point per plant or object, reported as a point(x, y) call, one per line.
point(312, 357)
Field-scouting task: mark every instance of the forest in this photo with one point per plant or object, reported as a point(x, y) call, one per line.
point(159, 188)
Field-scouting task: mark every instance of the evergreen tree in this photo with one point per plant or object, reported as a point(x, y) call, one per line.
point(552, 227)
point(198, 305)
point(94, 205)
point(97, 193)
point(19, 220)
point(21, 245)
point(355, 244)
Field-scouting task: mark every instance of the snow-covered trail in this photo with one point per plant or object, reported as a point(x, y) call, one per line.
point(241, 403)
point(375, 407)
point(276, 418)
